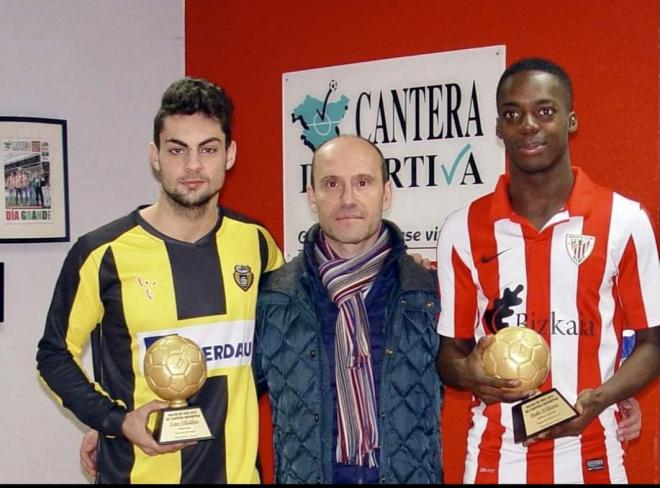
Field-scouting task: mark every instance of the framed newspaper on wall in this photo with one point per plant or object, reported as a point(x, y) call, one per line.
point(34, 200)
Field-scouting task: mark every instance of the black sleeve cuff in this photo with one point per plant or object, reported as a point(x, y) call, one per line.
point(113, 421)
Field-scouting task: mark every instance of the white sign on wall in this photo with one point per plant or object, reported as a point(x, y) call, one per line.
point(433, 117)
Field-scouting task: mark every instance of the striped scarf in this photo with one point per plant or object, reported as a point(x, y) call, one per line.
point(348, 281)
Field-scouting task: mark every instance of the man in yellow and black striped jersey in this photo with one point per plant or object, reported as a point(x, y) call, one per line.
point(182, 265)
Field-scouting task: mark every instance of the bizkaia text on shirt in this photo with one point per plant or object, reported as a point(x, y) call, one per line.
point(503, 308)
point(556, 326)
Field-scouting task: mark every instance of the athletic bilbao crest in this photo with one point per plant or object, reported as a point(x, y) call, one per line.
point(243, 276)
point(579, 247)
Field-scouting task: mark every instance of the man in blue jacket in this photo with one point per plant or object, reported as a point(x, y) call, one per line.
point(345, 337)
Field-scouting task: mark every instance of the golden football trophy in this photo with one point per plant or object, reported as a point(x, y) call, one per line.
point(519, 353)
point(175, 369)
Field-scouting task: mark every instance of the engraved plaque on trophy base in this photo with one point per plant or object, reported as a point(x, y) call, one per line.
point(175, 369)
point(185, 424)
point(540, 413)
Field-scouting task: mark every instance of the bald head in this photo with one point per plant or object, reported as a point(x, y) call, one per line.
point(349, 193)
point(352, 145)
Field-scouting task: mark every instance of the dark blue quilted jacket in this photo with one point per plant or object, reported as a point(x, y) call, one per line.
point(291, 363)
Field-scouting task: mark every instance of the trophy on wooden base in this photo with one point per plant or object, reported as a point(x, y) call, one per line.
point(519, 353)
point(175, 369)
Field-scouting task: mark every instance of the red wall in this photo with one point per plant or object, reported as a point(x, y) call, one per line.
point(610, 49)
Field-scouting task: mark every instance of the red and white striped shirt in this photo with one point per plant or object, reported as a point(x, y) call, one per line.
point(591, 272)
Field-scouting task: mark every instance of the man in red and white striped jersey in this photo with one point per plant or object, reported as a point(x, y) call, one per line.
point(550, 250)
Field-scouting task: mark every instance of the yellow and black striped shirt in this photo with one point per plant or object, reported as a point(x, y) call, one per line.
point(126, 284)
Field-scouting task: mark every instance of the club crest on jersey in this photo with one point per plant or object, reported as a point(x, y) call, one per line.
point(147, 286)
point(579, 247)
point(243, 276)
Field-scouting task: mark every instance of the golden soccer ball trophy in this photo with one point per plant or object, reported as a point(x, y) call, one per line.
point(175, 369)
point(518, 353)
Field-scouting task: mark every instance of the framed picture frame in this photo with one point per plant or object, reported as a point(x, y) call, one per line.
point(33, 160)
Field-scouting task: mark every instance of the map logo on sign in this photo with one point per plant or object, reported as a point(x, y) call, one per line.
point(320, 119)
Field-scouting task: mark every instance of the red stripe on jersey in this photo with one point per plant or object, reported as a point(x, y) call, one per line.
point(465, 298)
point(488, 460)
point(590, 277)
point(630, 290)
point(540, 467)
point(484, 252)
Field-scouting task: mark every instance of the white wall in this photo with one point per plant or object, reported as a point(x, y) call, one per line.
point(101, 65)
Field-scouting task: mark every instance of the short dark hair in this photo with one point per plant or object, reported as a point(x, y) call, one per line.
point(538, 64)
point(189, 96)
point(383, 164)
